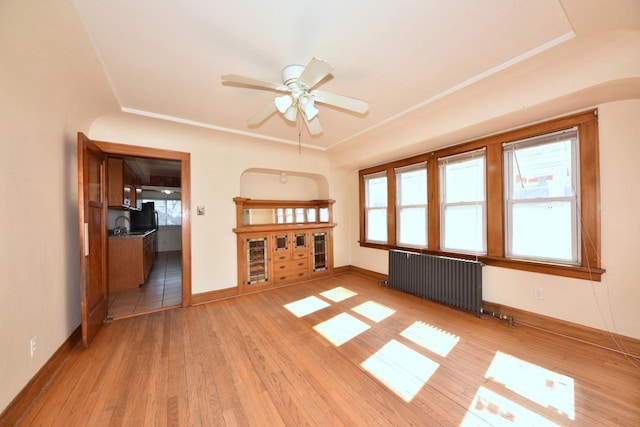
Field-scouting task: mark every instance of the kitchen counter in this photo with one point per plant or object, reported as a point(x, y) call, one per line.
point(132, 234)
point(131, 257)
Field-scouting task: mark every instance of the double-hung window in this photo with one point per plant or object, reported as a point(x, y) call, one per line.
point(463, 203)
point(375, 189)
point(541, 198)
point(411, 205)
point(527, 199)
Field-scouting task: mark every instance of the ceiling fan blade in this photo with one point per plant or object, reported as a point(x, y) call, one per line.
point(235, 78)
point(261, 115)
point(316, 70)
point(340, 101)
point(313, 125)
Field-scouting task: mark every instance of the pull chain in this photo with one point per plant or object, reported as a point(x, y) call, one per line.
point(299, 135)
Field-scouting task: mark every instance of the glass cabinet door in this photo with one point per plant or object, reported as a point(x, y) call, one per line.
point(300, 241)
point(320, 260)
point(257, 270)
point(281, 242)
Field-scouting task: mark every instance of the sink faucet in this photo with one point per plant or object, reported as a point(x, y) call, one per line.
point(118, 230)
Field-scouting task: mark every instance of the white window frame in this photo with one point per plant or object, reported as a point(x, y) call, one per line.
point(443, 162)
point(511, 167)
point(400, 207)
point(369, 209)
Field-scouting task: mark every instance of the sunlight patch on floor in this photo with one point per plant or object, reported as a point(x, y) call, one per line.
point(434, 339)
point(338, 294)
point(341, 328)
point(403, 370)
point(491, 409)
point(374, 311)
point(540, 385)
point(306, 306)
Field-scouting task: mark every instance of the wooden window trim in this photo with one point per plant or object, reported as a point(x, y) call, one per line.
point(587, 124)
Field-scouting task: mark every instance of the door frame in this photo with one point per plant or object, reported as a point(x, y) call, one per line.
point(111, 148)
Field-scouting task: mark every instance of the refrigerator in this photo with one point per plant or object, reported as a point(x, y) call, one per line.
point(144, 219)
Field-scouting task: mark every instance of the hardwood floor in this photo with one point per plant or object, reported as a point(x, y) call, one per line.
point(161, 290)
point(339, 351)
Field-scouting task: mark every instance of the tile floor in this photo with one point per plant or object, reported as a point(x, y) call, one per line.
point(162, 289)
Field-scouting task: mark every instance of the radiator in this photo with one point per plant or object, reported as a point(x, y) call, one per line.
point(452, 281)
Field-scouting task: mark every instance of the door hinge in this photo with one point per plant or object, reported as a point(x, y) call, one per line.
point(107, 319)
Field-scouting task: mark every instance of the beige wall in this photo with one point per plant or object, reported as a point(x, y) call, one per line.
point(51, 86)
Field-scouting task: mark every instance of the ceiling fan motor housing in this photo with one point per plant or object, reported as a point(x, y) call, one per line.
point(291, 72)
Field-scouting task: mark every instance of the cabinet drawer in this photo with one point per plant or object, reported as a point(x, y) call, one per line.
point(301, 254)
point(291, 276)
point(281, 256)
point(286, 266)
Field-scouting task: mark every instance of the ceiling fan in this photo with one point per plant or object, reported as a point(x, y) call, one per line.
point(298, 83)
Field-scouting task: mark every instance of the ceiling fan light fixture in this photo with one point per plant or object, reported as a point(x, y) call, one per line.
point(283, 103)
point(291, 114)
point(306, 105)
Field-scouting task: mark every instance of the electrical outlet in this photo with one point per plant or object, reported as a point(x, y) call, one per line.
point(539, 294)
point(200, 210)
point(33, 346)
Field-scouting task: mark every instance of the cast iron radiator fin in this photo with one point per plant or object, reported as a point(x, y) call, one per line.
point(452, 281)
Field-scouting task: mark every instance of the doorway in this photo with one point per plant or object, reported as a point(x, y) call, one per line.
point(168, 284)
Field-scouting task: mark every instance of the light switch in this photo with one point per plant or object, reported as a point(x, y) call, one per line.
point(200, 210)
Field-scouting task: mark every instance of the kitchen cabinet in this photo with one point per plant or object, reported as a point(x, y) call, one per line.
point(131, 258)
point(124, 189)
point(273, 250)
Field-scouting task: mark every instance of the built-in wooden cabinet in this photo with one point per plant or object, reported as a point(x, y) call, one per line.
point(321, 251)
point(255, 251)
point(282, 242)
point(130, 260)
point(124, 189)
point(290, 256)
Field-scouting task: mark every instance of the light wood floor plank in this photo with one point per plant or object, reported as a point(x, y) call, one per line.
point(249, 361)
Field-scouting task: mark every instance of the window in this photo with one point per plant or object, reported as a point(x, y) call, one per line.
point(463, 201)
point(169, 211)
point(376, 207)
point(541, 198)
point(527, 199)
point(411, 209)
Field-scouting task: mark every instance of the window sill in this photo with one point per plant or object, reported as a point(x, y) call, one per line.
point(577, 272)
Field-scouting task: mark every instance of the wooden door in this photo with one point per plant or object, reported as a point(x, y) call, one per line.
point(92, 214)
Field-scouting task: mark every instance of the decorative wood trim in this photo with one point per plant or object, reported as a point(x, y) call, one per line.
point(576, 272)
point(244, 203)
point(210, 296)
point(433, 204)
point(391, 207)
point(495, 210)
point(39, 383)
point(597, 337)
point(282, 227)
point(364, 272)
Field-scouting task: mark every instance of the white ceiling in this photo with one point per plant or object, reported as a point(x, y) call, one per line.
point(165, 59)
